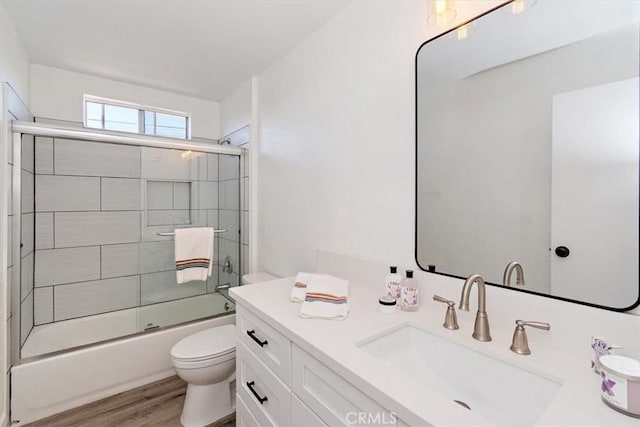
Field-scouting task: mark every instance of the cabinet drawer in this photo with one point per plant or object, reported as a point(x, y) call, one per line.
point(244, 418)
point(271, 347)
point(301, 415)
point(332, 398)
point(266, 397)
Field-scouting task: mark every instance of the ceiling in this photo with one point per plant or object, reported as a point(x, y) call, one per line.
point(200, 48)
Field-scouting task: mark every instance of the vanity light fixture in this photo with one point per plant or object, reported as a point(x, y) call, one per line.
point(441, 14)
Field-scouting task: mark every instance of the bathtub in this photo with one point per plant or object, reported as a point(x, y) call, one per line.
point(46, 384)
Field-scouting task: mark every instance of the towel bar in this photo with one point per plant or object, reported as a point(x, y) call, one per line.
point(173, 234)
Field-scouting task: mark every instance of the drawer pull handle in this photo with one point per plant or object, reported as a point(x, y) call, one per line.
point(252, 334)
point(255, 393)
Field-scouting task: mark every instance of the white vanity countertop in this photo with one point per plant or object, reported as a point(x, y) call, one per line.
point(334, 343)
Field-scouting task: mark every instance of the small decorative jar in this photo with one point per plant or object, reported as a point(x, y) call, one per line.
point(620, 387)
point(387, 304)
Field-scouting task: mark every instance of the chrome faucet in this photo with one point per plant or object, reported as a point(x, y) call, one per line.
point(506, 277)
point(227, 267)
point(481, 330)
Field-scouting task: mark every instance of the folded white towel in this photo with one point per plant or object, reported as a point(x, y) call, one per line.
point(194, 254)
point(326, 298)
point(299, 289)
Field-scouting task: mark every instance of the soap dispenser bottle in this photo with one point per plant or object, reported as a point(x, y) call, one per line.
point(409, 298)
point(392, 283)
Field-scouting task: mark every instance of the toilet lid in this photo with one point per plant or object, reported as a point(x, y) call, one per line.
point(206, 344)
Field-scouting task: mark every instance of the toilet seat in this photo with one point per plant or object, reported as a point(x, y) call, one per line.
point(203, 358)
point(202, 363)
point(205, 348)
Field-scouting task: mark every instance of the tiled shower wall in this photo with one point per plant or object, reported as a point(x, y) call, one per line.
point(98, 210)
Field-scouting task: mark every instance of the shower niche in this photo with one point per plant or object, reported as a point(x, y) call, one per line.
point(168, 203)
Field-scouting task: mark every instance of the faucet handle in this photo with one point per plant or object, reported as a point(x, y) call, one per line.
point(450, 318)
point(520, 344)
point(444, 300)
point(533, 324)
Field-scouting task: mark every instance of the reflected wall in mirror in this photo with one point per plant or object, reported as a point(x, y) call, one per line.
point(527, 150)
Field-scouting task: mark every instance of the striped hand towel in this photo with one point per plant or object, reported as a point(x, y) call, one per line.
point(299, 289)
point(194, 254)
point(326, 298)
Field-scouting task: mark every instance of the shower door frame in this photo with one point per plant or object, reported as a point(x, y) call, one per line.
point(20, 128)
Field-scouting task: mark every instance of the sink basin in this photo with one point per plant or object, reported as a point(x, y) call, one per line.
point(502, 393)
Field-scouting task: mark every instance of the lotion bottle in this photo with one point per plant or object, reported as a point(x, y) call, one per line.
point(392, 283)
point(409, 298)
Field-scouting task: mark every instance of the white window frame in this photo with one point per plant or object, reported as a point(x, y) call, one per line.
point(141, 110)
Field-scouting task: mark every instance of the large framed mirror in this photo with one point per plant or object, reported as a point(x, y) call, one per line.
point(527, 150)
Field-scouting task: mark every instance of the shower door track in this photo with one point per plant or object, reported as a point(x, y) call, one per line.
point(42, 356)
point(56, 131)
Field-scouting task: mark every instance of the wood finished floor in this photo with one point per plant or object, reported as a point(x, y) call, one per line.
point(155, 404)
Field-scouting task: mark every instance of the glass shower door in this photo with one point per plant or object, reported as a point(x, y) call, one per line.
point(202, 190)
point(102, 264)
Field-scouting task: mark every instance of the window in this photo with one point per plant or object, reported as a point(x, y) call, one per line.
point(108, 114)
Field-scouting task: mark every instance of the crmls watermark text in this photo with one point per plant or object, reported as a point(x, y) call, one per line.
point(367, 418)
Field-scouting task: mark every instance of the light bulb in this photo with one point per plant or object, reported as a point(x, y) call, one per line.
point(517, 6)
point(462, 32)
point(441, 14)
point(441, 7)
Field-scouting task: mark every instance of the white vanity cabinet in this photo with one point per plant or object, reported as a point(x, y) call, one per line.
point(244, 418)
point(280, 384)
point(336, 401)
point(301, 415)
point(270, 346)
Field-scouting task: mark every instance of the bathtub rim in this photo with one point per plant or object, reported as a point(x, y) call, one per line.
point(38, 357)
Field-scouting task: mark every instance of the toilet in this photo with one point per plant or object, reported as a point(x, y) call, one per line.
point(206, 362)
point(251, 278)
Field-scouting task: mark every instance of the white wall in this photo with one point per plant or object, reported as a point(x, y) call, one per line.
point(235, 109)
point(337, 141)
point(14, 69)
point(57, 94)
point(238, 124)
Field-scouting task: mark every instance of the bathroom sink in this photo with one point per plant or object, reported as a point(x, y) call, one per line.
point(500, 392)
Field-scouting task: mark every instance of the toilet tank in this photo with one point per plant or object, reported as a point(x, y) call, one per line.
point(248, 279)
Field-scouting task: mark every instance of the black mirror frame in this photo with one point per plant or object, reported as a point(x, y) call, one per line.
point(631, 307)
